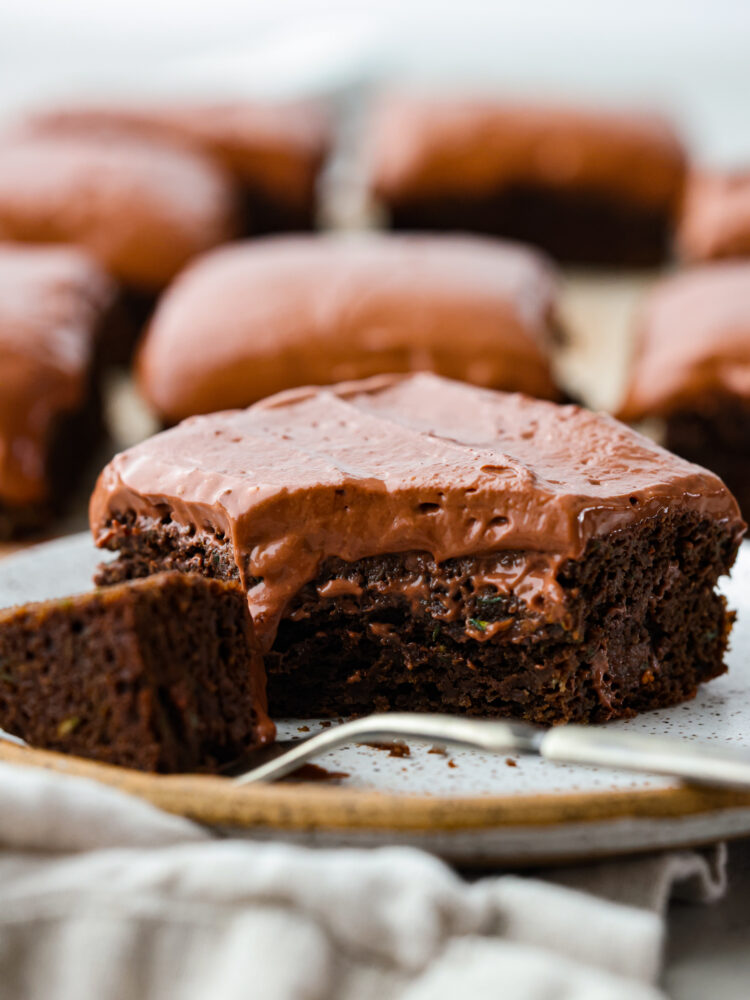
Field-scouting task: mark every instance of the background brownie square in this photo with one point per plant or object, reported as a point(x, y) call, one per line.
point(274, 150)
point(715, 221)
point(57, 316)
point(257, 317)
point(142, 208)
point(599, 188)
point(692, 369)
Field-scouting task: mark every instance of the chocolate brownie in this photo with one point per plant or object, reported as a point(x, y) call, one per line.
point(417, 543)
point(715, 221)
point(141, 208)
point(275, 150)
point(692, 369)
point(161, 674)
point(57, 310)
point(599, 188)
point(254, 318)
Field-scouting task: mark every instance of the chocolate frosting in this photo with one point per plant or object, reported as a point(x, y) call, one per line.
point(278, 148)
point(693, 341)
point(254, 318)
point(391, 464)
point(716, 217)
point(51, 302)
point(425, 147)
point(141, 208)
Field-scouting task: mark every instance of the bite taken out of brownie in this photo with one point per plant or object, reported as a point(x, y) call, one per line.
point(416, 543)
point(162, 674)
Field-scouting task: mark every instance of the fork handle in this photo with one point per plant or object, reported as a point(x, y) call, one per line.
point(700, 763)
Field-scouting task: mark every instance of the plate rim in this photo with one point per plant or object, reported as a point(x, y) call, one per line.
point(310, 806)
point(317, 808)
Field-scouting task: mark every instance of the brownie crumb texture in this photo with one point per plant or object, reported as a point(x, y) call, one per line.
point(573, 227)
point(643, 626)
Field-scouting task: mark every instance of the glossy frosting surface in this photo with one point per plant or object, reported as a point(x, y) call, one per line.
point(716, 217)
point(278, 147)
point(51, 301)
point(143, 209)
point(255, 318)
point(394, 465)
point(693, 341)
point(427, 147)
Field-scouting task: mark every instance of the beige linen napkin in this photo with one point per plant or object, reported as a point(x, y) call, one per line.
point(104, 896)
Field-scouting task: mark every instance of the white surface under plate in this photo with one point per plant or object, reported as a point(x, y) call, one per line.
point(719, 714)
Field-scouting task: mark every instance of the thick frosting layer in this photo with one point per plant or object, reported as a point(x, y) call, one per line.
point(277, 147)
point(716, 217)
point(394, 464)
point(143, 209)
point(51, 303)
point(424, 147)
point(693, 341)
point(255, 318)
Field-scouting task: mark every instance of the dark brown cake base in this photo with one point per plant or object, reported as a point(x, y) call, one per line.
point(263, 215)
point(573, 228)
point(75, 434)
point(135, 309)
point(643, 627)
point(716, 435)
point(70, 447)
point(154, 675)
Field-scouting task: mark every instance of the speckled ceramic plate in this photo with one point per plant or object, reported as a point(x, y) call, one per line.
point(463, 805)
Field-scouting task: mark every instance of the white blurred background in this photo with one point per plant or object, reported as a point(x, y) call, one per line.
point(688, 57)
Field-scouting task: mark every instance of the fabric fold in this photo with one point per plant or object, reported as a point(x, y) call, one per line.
point(104, 895)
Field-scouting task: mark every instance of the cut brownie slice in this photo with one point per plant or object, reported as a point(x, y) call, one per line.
point(254, 318)
point(588, 187)
point(57, 310)
point(419, 543)
point(692, 369)
point(162, 674)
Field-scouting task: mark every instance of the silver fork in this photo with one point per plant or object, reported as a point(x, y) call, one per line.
point(10, 738)
point(599, 746)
